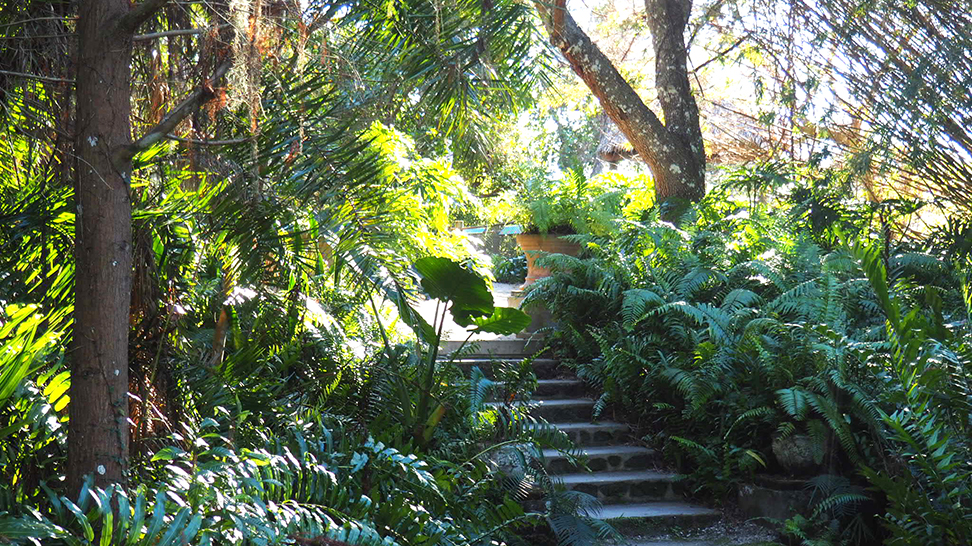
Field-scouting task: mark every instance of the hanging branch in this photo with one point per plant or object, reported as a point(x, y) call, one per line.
point(724, 52)
point(36, 77)
point(226, 142)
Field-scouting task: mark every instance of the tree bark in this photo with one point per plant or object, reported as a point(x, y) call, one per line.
point(98, 428)
point(98, 431)
point(673, 149)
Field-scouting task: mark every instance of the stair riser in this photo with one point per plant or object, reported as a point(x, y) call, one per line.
point(646, 525)
point(546, 391)
point(590, 438)
point(608, 463)
point(543, 368)
point(498, 347)
point(650, 525)
point(630, 491)
point(564, 414)
point(550, 391)
point(558, 413)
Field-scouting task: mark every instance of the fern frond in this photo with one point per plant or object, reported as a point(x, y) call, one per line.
point(740, 298)
point(636, 304)
point(794, 401)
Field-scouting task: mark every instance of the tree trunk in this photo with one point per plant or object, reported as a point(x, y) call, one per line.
point(667, 20)
point(98, 428)
point(98, 431)
point(673, 150)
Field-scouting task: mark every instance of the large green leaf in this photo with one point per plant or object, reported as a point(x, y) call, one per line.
point(409, 315)
point(17, 528)
point(504, 320)
point(446, 280)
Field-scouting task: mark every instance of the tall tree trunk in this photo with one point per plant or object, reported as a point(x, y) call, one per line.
point(667, 20)
point(98, 428)
point(98, 431)
point(673, 149)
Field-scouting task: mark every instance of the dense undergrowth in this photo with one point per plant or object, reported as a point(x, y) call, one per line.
point(284, 389)
point(799, 317)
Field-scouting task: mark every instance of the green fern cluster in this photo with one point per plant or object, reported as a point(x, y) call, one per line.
point(303, 484)
point(737, 328)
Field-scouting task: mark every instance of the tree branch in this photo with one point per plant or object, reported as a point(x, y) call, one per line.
point(723, 53)
point(673, 150)
point(620, 102)
point(709, 14)
point(36, 77)
point(203, 94)
point(209, 142)
point(36, 19)
point(179, 32)
point(322, 20)
point(130, 22)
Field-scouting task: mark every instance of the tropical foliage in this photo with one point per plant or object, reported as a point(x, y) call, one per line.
point(751, 323)
point(283, 387)
point(290, 221)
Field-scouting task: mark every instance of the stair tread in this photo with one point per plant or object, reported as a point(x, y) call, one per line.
point(555, 402)
point(512, 347)
point(603, 425)
point(599, 451)
point(654, 510)
point(476, 359)
point(613, 477)
point(671, 543)
point(564, 402)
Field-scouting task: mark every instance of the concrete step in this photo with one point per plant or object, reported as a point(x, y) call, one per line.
point(548, 389)
point(568, 409)
point(497, 347)
point(668, 513)
point(595, 434)
point(544, 368)
point(720, 532)
point(602, 458)
point(625, 487)
point(668, 543)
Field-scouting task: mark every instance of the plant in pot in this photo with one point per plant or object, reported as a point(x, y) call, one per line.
point(573, 204)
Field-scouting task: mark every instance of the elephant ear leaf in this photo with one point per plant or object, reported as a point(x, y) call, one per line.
point(503, 321)
point(410, 316)
point(446, 280)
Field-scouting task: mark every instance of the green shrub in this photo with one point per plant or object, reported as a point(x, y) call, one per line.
point(750, 322)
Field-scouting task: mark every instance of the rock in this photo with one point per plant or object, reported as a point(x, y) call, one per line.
point(795, 453)
point(756, 501)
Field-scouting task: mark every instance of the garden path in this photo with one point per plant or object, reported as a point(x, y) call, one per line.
point(640, 499)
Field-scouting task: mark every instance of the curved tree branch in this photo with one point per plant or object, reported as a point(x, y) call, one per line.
point(130, 22)
point(673, 149)
point(203, 94)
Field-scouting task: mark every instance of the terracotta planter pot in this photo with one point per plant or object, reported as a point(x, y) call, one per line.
point(534, 243)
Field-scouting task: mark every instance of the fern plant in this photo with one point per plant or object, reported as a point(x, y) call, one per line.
point(734, 328)
point(931, 501)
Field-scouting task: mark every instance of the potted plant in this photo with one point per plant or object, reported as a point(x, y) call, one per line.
point(550, 209)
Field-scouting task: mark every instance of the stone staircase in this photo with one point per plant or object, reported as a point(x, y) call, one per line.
point(637, 498)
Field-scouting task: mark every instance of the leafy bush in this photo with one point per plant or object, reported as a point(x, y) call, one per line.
point(574, 203)
point(510, 270)
point(739, 327)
